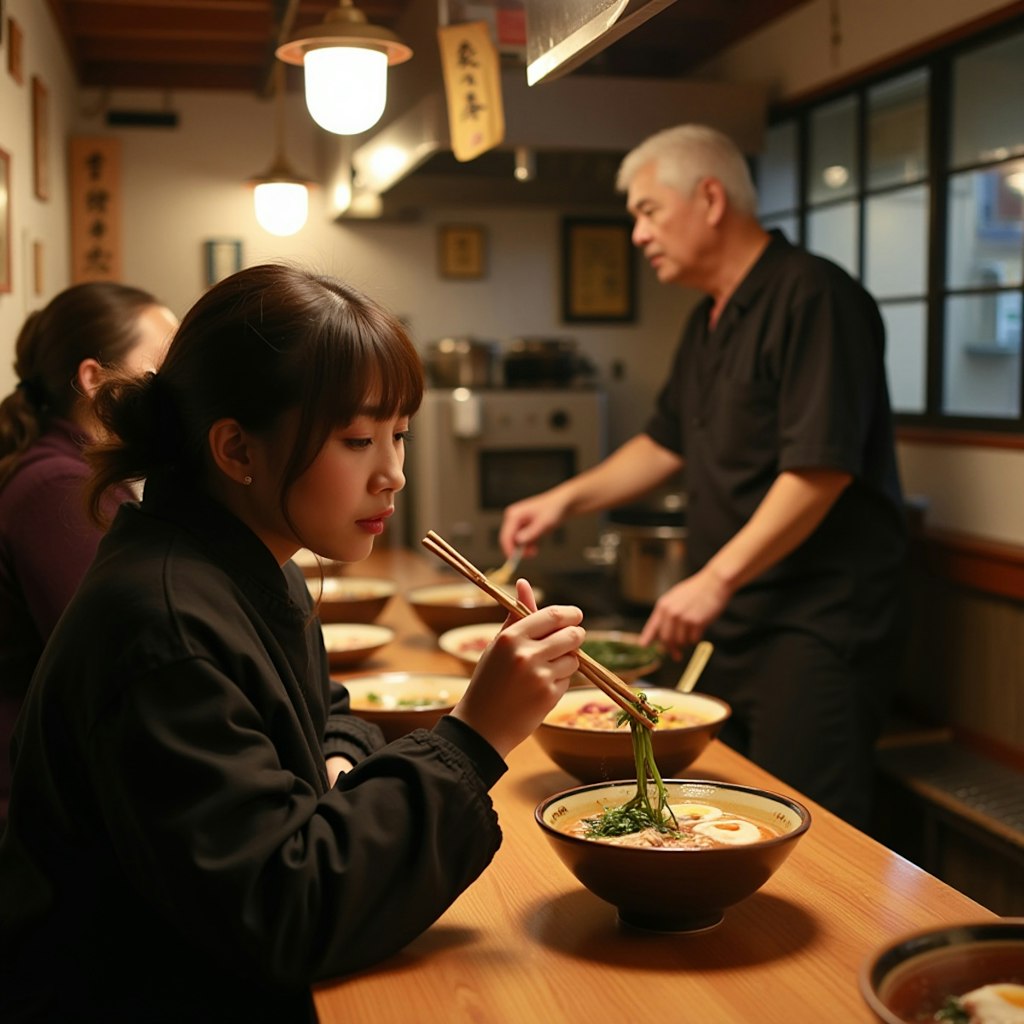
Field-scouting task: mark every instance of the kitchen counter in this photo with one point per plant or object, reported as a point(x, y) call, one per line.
point(527, 942)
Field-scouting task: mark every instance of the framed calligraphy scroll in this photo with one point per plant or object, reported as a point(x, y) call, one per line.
point(461, 251)
point(5, 221)
point(95, 208)
point(598, 271)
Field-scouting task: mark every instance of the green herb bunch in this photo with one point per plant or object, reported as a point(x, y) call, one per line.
point(638, 812)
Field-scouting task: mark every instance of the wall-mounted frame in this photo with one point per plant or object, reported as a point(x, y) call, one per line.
point(223, 257)
point(5, 221)
point(15, 50)
point(598, 270)
point(462, 251)
point(40, 138)
point(38, 268)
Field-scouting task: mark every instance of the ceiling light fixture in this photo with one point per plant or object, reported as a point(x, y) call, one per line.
point(346, 68)
point(526, 164)
point(281, 196)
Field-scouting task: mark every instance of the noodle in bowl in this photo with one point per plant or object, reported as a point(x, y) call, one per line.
point(676, 887)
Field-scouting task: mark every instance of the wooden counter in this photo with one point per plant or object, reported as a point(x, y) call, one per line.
point(528, 944)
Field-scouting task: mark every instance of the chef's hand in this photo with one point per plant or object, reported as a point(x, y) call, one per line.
point(522, 673)
point(526, 521)
point(682, 614)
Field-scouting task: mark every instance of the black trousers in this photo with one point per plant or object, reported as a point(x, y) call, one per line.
point(805, 713)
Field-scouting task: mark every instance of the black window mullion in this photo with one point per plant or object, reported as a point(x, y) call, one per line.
point(939, 118)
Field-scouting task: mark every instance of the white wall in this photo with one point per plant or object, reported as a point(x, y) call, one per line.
point(33, 219)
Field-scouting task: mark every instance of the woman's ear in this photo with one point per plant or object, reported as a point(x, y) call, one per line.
point(88, 378)
point(229, 448)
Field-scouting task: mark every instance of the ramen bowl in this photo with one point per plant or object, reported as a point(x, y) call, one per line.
point(664, 889)
point(402, 701)
point(579, 734)
point(621, 653)
point(909, 979)
point(351, 598)
point(467, 643)
point(445, 606)
point(349, 643)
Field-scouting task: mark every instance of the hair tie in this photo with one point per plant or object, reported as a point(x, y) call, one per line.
point(33, 391)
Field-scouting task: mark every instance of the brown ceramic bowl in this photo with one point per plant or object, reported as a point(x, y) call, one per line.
point(444, 606)
point(467, 643)
point(349, 643)
point(909, 979)
point(351, 598)
point(594, 754)
point(402, 701)
point(674, 890)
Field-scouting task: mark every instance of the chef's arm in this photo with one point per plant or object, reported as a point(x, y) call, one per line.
point(630, 471)
point(788, 514)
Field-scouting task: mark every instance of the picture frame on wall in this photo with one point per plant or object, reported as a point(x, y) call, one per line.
point(598, 270)
point(462, 251)
point(15, 51)
point(223, 257)
point(5, 221)
point(40, 138)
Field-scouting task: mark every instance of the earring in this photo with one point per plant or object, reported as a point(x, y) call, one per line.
point(247, 480)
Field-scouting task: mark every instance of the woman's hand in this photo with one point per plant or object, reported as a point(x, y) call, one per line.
point(522, 673)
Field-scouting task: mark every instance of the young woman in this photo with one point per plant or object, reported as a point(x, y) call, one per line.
point(198, 829)
point(46, 537)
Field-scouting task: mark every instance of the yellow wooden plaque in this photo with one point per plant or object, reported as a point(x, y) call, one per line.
point(472, 85)
point(95, 209)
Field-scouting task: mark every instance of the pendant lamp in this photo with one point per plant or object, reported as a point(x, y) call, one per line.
point(281, 195)
point(346, 68)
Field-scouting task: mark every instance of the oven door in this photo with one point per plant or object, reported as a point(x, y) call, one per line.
point(466, 466)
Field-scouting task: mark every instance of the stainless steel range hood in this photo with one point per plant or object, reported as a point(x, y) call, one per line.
point(562, 36)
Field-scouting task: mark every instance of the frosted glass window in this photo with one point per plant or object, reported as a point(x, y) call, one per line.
point(988, 115)
point(906, 354)
point(833, 232)
point(776, 169)
point(982, 374)
point(833, 151)
point(896, 242)
point(897, 130)
point(986, 226)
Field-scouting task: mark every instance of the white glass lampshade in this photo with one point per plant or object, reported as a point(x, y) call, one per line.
point(346, 87)
point(281, 206)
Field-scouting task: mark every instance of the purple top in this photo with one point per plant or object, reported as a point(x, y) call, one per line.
point(47, 541)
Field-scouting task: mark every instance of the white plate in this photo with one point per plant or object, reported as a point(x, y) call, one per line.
point(349, 643)
point(467, 643)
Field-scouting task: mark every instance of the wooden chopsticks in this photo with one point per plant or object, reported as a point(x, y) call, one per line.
point(607, 681)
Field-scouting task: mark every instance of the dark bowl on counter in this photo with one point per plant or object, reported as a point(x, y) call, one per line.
point(908, 980)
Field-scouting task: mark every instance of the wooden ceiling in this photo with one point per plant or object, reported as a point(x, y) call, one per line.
point(229, 44)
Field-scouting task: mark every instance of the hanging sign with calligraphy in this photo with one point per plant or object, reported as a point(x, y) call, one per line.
point(95, 209)
point(472, 84)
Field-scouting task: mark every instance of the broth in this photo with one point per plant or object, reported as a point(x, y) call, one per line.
point(604, 716)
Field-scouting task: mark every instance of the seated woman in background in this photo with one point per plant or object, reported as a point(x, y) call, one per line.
point(46, 537)
point(199, 830)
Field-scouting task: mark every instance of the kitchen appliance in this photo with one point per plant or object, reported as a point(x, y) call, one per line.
point(475, 451)
point(545, 362)
point(463, 362)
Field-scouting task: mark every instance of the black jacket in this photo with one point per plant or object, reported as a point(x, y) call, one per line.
point(173, 852)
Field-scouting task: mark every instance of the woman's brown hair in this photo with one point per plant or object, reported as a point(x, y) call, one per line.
point(265, 341)
point(96, 320)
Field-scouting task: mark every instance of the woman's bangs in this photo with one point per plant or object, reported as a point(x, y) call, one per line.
point(392, 377)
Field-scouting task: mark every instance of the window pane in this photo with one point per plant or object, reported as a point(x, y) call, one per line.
point(896, 242)
point(906, 354)
point(988, 115)
point(832, 232)
point(776, 169)
point(898, 131)
point(787, 225)
point(986, 217)
point(833, 144)
point(982, 375)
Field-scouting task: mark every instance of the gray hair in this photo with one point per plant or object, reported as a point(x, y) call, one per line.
point(688, 153)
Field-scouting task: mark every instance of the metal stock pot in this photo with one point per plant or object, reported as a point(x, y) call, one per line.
point(463, 363)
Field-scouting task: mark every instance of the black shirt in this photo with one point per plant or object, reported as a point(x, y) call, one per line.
point(173, 851)
point(792, 377)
